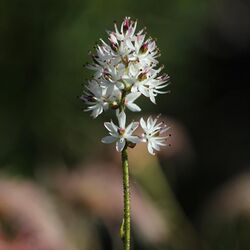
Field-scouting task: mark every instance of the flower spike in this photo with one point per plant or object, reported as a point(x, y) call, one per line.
point(125, 68)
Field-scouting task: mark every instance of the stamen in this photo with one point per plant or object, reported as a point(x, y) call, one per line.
point(158, 116)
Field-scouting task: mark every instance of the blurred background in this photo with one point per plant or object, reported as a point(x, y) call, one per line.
point(60, 188)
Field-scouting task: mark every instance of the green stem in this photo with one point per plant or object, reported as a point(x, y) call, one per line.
point(126, 197)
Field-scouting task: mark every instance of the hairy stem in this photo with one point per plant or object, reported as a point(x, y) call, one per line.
point(126, 199)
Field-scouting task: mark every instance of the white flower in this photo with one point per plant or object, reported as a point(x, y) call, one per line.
point(127, 30)
point(99, 98)
point(121, 134)
point(152, 134)
point(112, 78)
point(146, 52)
point(95, 98)
point(149, 84)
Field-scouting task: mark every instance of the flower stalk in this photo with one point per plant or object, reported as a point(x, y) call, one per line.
point(126, 200)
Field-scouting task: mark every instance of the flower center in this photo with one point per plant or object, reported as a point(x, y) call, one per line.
point(121, 131)
point(142, 76)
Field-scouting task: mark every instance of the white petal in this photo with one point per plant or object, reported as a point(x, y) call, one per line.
point(114, 126)
point(133, 70)
point(131, 128)
point(134, 139)
point(110, 126)
point(149, 123)
point(133, 107)
point(144, 91)
point(108, 139)
point(131, 97)
point(150, 149)
point(152, 98)
point(120, 144)
point(134, 89)
point(97, 111)
point(110, 89)
point(129, 44)
point(156, 146)
point(143, 124)
point(122, 119)
point(113, 38)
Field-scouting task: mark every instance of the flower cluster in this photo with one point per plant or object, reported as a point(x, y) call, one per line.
point(125, 68)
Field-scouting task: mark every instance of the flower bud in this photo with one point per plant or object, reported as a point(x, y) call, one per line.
point(114, 105)
point(127, 22)
point(144, 48)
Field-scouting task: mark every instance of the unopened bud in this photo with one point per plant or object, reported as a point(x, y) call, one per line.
point(144, 48)
point(114, 46)
point(114, 105)
point(126, 24)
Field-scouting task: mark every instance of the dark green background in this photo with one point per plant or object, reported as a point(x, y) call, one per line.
point(205, 48)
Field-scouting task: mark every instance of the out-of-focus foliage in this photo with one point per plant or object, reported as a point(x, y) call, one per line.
point(46, 138)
